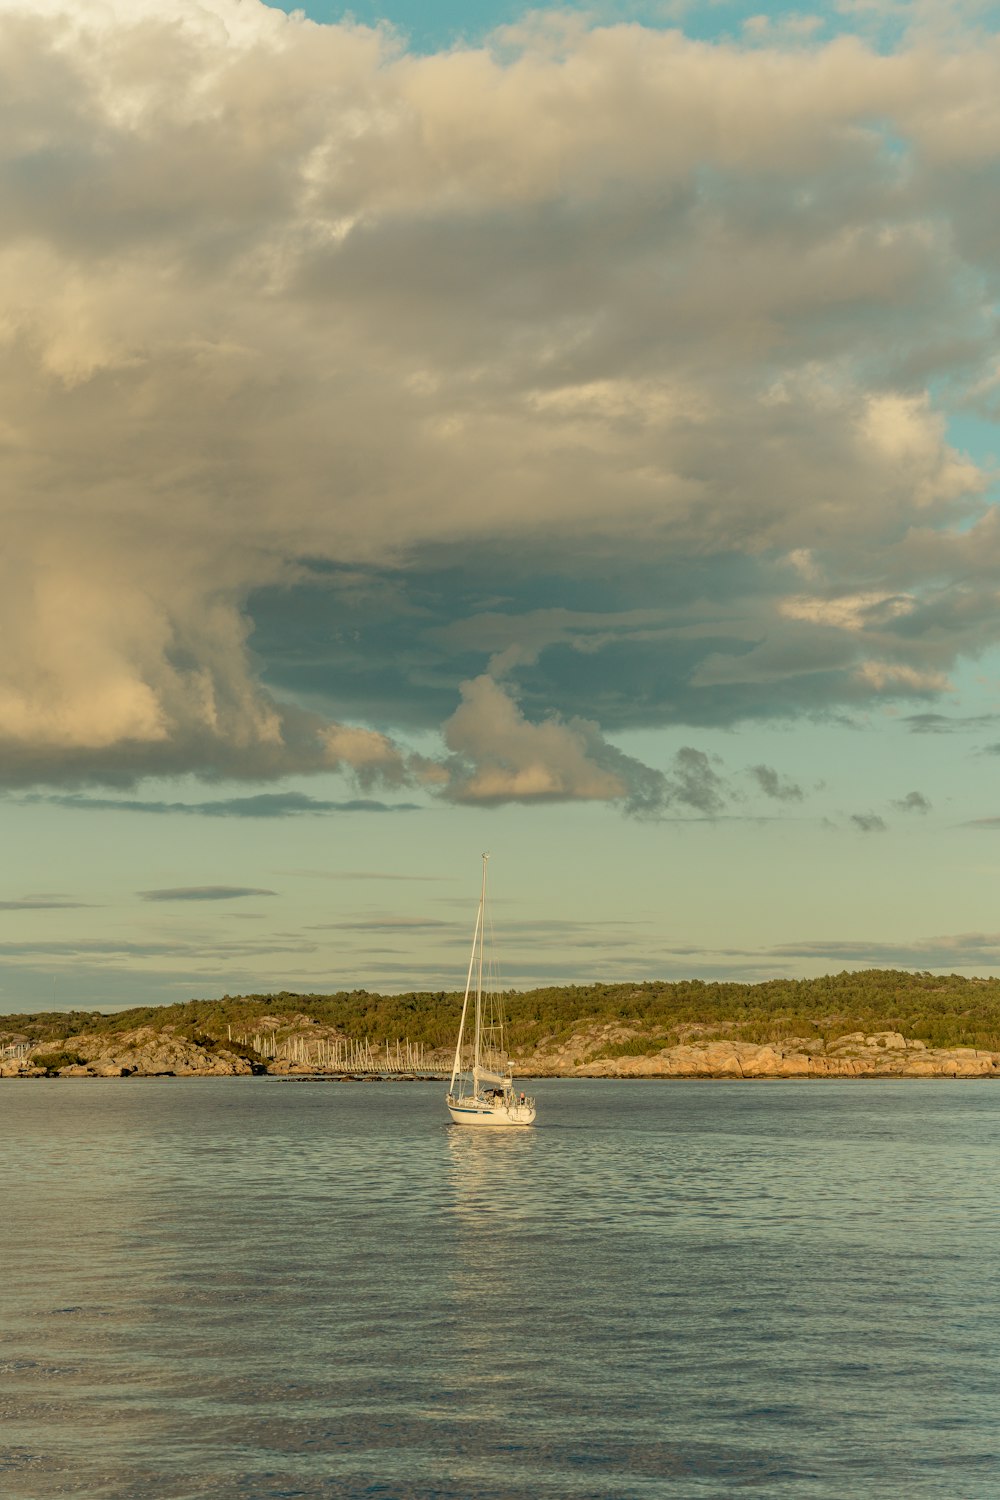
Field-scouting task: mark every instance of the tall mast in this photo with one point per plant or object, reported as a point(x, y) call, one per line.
point(479, 976)
point(457, 1065)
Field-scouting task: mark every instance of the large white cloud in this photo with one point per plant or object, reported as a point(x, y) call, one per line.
point(275, 295)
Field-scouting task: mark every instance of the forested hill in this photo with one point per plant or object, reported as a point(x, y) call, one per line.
point(944, 1011)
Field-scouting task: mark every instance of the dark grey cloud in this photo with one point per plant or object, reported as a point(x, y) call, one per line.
point(695, 782)
point(914, 802)
point(204, 893)
point(868, 822)
point(629, 641)
point(780, 788)
point(624, 642)
point(598, 638)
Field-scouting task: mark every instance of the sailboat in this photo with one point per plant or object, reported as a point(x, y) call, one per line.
point(486, 1094)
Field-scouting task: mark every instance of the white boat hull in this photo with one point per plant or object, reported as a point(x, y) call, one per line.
point(490, 1115)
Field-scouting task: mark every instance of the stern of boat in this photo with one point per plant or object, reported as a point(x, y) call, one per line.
point(489, 1114)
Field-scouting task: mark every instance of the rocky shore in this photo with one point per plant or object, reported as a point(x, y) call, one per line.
point(885, 1054)
point(151, 1052)
point(145, 1053)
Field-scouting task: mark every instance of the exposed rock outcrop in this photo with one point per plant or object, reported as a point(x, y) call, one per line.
point(145, 1052)
point(151, 1052)
point(884, 1054)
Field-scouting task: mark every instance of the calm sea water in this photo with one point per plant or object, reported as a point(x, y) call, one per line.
point(252, 1288)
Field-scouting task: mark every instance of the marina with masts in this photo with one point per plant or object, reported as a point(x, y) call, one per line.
point(401, 1058)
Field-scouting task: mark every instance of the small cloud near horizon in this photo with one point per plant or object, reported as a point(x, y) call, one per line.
point(40, 903)
point(204, 893)
point(781, 788)
point(365, 875)
point(913, 802)
point(947, 952)
point(262, 805)
point(380, 924)
point(933, 723)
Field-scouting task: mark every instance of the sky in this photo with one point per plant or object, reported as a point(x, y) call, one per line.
point(429, 429)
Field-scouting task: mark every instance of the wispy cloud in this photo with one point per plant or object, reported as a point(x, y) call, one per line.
point(936, 723)
point(180, 950)
point(353, 875)
point(261, 805)
point(964, 950)
point(772, 784)
point(869, 822)
point(41, 903)
point(204, 893)
point(382, 924)
point(913, 802)
point(969, 950)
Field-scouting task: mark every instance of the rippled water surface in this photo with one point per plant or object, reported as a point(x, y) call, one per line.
point(257, 1288)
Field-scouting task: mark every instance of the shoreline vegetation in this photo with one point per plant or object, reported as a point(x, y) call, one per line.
point(870, 1024)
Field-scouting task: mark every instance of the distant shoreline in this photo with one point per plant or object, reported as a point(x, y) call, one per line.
point(859, 1024)
point(965, 1069)
point(649, 1078)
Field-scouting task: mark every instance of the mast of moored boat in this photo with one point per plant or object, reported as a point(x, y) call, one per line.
point(476, 940)
point(477, 1051)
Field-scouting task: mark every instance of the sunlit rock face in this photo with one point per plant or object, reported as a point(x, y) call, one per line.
point(738, 1060)
point(885, 1054)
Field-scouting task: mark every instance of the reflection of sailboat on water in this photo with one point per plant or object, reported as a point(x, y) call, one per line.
point(486, 1095)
